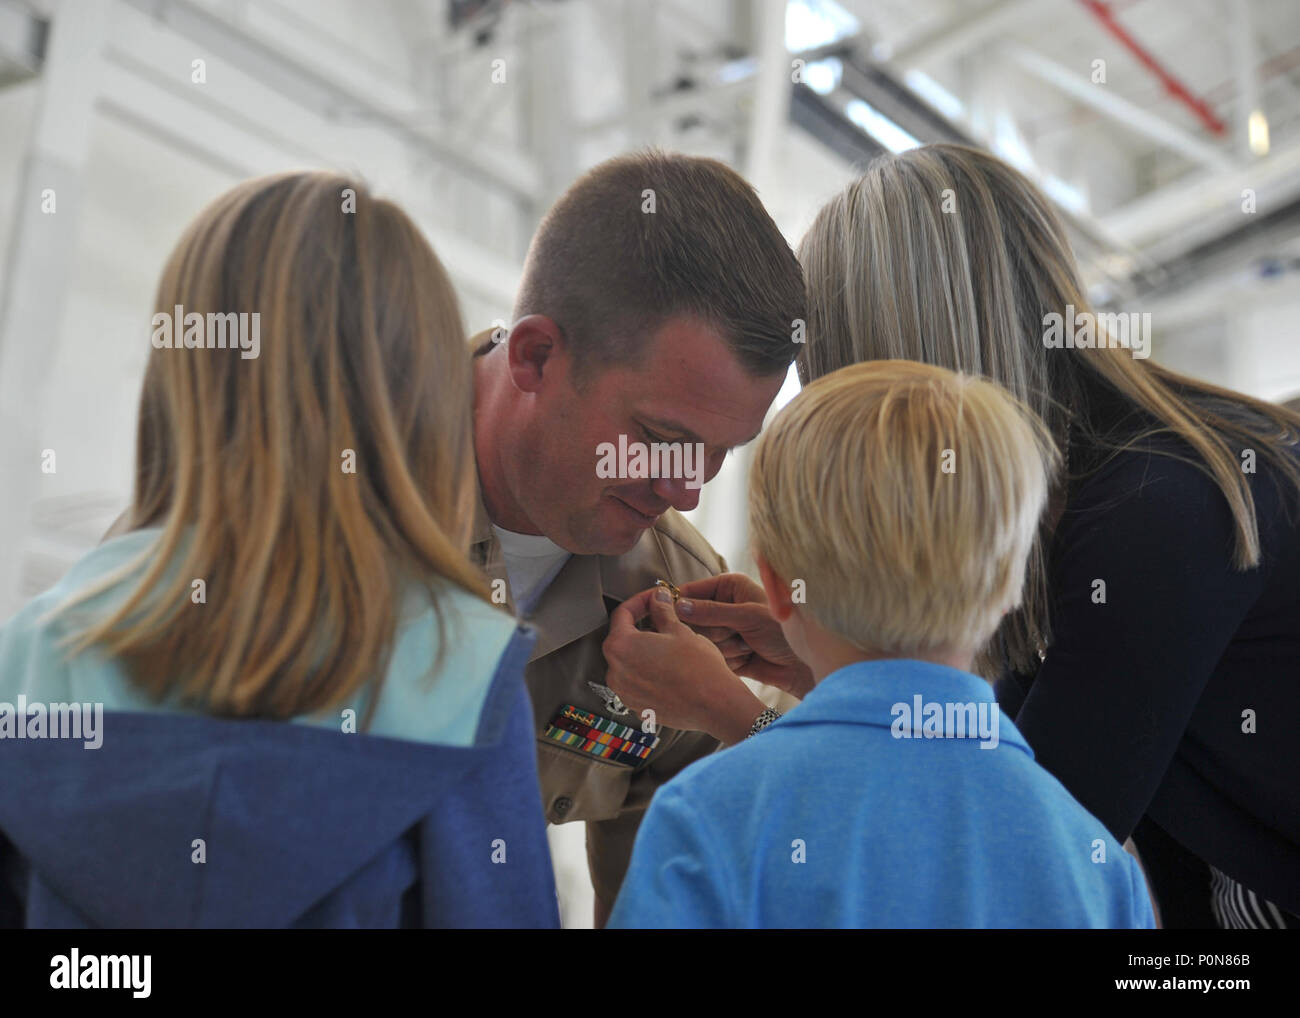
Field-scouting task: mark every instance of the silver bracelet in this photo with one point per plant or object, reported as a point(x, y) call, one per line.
point(762, 721)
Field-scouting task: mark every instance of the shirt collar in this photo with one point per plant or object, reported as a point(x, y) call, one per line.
point(575, 602)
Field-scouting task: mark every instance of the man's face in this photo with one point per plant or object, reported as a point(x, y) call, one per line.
point(689, 389)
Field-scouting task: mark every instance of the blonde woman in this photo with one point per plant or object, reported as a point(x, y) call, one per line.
point(1153, 663)
point(299, 705)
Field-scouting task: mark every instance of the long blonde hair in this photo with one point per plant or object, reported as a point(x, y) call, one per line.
point(945, 254)
point(243, 462)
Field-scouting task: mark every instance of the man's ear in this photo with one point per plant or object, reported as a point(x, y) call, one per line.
point(537, 351)
point(776, 589)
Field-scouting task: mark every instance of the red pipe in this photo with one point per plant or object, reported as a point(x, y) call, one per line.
point(1101, 10)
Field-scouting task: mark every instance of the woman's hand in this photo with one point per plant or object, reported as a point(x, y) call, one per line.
point(678, 674)
point(731, 611)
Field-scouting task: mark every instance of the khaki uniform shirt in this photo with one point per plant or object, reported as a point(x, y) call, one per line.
point(572, 619)
point(572, 616)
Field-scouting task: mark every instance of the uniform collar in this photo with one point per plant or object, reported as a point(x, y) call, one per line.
point(867, 693)
point(576, 602)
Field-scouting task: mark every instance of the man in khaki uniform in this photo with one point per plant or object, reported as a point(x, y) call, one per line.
point(572, 618)
point(658, 305)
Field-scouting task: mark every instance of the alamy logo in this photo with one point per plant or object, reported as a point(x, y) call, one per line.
point(72, 971)
point(657, 459)
point(922, 719)
point(228, 331)
point(53, 721)
point(1087, 331)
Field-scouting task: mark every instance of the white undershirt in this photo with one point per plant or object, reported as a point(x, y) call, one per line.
point(532, 562)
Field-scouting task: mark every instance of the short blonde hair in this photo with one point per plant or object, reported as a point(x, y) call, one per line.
point(907, 498)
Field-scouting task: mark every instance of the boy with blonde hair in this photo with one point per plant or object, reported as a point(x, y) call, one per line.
point(892, 508)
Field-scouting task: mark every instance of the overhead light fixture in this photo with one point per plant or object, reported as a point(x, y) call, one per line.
point(813, 23)
point(1258, 128)
point(1066, 195)
point(879, 126)
point(935, 94)
point(1010, 144)
point(737, 70)
point(823, 76)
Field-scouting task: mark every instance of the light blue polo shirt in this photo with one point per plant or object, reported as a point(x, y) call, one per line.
point(894, 795)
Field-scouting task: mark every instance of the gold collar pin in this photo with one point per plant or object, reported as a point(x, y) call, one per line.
point(672, 590)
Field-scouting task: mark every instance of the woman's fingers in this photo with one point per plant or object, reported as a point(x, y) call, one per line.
point(715, 633)
point(734, 647)
point(731, 587)
point(720, 614)
point(637, 606)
